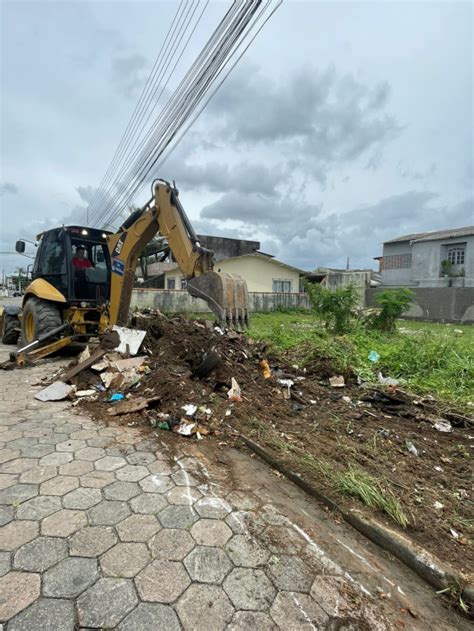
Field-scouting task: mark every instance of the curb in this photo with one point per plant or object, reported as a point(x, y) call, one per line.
point(433, 571)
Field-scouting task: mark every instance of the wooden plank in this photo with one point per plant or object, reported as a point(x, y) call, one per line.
point(87, 363)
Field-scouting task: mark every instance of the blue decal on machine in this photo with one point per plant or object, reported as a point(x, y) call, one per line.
point(118, 267)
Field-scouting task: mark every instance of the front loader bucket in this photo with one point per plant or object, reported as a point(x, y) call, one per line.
point(226, 295)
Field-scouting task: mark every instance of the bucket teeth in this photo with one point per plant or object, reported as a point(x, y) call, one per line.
point(226, 295)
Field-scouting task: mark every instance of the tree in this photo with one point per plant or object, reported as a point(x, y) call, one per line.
point(394, 303)
point(336, 308)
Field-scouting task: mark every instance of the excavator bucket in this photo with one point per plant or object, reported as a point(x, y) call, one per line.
point(226, 294)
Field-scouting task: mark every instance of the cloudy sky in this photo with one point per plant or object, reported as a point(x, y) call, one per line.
point(346, 123)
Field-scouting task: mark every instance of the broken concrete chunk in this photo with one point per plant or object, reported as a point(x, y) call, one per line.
point(57, 391)
point(128, 364)
point(85, 393)
point(133, 405)
point(130, 339)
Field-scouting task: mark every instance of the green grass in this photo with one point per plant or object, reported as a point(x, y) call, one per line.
point(428, 358)
point(369, 491)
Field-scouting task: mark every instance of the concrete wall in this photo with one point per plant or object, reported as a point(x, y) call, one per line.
point(397, 276)
point(259, 272)
point(170, 301)
point(426, 260)
point(440, 304)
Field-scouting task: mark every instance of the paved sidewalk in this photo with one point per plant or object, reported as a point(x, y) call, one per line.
point(105, 527)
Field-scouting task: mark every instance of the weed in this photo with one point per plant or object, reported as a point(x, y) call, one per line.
point(317, 466)
point(360, 484)
point(393, 303)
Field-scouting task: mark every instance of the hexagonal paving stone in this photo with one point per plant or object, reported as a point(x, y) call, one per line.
point(82, 498)
point(160, 467)
point(182, 478)
point(39, 507)
point(7, 455)
point(245, 620)
point(131, 473)
point(100, 441)
point(205, 607)
point(97, 479)
point(53, 439)
point(183, 495)
point(292, 610)
point(37, 451)
point(120, 450)
point(108, 513)
point(38, 475)
point(18, 590)
point(18, 493)
point(212, 507)
point(84, 434)
point(157, 484)
point(249, 589)
point(141, 458)
point(148, 503)
point(282, 540)
point(125, 559)
point(4, 563)
point(207, 565)
point(17, 533)
point(92, 541)
point(271, 516)
point(138, 528)
point(189, 464)
point(245, 522)
point(71, 445)
point(333, 594)
point(289, 573)
point(148, 616)
point(122, 491)
point(57, 458)
point(242, 500)
point(6, 480)
point(77, 468)
point(7, 513)
point(110, 463)
point(177, 517)
point(63, 523)
point(106, 603)
point(162, 581)
point(51, 614)
point(90, 453)
point(60, 485)
point(171, 544)
point(40, 554)
point(211, 532)
point(247, 551)
point(70, 577)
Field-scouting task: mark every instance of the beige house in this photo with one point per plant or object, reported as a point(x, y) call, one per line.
point(263, 274)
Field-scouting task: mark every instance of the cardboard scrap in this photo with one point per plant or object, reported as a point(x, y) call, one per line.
point(132, 405)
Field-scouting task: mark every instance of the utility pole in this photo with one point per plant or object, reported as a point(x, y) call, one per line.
point(347, 264)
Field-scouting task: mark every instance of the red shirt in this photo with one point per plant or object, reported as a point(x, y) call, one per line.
point(81, 263)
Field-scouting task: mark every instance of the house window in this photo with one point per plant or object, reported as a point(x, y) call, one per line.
point(456, 256)
point(183, 283)
point(171, 283)
point(397, 261)
point(281, 286)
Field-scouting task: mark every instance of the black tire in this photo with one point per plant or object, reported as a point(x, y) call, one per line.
point(10, 329)
point(45, 316)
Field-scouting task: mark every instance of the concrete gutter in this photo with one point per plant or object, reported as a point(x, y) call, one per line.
point(433, 571)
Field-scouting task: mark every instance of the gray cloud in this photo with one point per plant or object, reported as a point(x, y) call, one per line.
point(128, 73)
point(8, 188)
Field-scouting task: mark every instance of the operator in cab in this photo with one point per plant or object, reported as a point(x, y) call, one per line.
point(80, 261)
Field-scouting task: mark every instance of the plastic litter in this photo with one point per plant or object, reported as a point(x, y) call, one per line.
point(443, 426)
point(373, 356)
point(266, 372)
point(387, 381)
point(438, 506)
point(186, 429)
point(189, 409)
point(411, 447)
point(118, 396)
point(234, 393)
point(337, 381)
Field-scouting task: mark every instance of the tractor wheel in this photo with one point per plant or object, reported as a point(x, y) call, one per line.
point(10, 329)
point(39, 317)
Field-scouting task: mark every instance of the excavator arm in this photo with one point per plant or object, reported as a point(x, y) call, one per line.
point(226, 294)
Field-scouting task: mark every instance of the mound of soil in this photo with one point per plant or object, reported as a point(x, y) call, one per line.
point(315, 429)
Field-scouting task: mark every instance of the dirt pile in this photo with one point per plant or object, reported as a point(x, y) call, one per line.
point(380, 450)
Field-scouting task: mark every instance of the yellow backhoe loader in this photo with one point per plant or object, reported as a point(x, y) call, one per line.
point(82, 278)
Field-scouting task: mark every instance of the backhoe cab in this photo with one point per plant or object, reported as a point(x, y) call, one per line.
point(82, 278)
